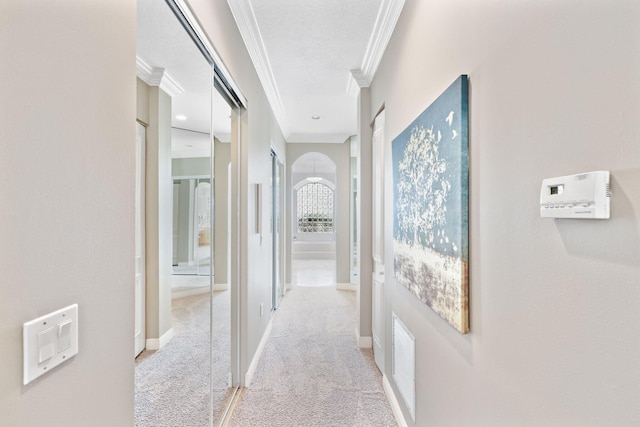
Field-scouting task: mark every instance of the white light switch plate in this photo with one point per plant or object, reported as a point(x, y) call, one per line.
point(58, 344)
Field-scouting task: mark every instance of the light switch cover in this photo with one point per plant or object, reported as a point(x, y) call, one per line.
point(46, 344)
point(48, 341)
point(64, 335)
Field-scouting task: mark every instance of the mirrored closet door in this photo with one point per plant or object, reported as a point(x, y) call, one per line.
point(188, 380)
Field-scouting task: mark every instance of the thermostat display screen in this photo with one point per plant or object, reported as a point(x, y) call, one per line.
point(556, 189)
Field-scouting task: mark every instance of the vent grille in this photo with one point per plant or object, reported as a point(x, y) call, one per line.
point(403, 363)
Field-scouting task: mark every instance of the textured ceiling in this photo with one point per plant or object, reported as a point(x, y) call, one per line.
point(311, 55)
point(311, 46)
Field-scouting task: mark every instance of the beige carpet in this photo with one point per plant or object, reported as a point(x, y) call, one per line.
point(311, 372)
point(172, 384)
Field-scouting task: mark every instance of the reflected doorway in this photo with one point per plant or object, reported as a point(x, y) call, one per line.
point(191, 226)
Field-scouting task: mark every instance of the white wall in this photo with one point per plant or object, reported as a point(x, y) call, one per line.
point(260, 132)
point(364, 168)
point(158, 218)
point(191, 166)
point(554, 303)
point(68, 94)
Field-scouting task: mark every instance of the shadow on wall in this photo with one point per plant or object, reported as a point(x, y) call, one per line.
point(615, 244)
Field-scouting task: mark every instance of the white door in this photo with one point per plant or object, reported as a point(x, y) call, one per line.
point(277, 258)
point(176, 216)
point(378, 241)
point(140, 280)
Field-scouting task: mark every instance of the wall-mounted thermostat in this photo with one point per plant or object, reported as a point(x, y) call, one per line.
point(584, 195)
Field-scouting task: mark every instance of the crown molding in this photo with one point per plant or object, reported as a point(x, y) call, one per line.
point(223, 137)
point(383, 28)
point(147, 73)
point(245, 17)
point(356, 80)
point(170, 85)
point(157, 77)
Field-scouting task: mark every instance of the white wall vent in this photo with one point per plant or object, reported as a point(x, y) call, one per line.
point(403, 363)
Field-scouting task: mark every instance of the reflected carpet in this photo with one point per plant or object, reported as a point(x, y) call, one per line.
point(172, 384)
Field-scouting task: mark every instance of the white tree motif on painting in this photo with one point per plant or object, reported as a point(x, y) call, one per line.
point(422, 192)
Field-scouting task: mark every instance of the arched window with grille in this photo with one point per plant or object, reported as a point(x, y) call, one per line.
point(314, 206)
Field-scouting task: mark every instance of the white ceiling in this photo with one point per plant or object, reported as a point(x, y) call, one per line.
point(306, 53)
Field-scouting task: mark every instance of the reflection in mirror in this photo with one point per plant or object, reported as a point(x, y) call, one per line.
point(221, 351)
point(277, 236)
point(191, 226)
point(188, 381)
point(355, 215)
point(173, 374)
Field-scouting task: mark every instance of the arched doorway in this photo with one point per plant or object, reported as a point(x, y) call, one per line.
point(313, 232)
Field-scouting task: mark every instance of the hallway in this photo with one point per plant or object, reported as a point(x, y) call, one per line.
point(311, 372)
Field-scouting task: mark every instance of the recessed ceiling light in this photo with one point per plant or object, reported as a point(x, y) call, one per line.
point(315, 117)
point(181, 117)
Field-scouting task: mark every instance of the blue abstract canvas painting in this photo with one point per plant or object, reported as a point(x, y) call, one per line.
point(431, 206)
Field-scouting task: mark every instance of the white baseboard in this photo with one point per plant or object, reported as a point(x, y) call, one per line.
point(313, 255)
point(158, 343)
point(346, 287)
point(363, 342)
point(256, 357)
point(221, 287)
point(393, 402)
point(187, 292)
